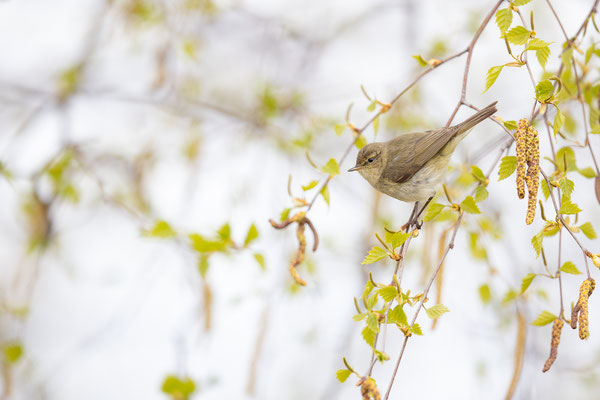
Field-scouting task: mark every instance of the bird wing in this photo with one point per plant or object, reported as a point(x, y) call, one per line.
point(410, 152)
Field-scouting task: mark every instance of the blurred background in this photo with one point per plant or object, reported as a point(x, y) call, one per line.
point(127, 125)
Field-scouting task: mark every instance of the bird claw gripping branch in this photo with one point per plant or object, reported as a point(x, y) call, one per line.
point(528, 158)
point(580, 311)
point(301, 219)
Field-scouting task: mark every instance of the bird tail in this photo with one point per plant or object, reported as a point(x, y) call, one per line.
point(476, 118)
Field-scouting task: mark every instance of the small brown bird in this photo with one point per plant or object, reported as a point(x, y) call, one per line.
point(410, 167)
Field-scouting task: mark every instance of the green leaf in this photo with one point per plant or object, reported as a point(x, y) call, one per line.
point(375, 254)
point(484, 293)
point(331, 168)
point(359, 317)
point(568, 207)
point(251, 236)
point(544, 91)
point(371, 301)
point(588, 230)
point(595, 130)
point(325, 193)
point(422, 62)
point(376, 125)
point(504, 19)
point(397, 316)
point(544, 318)
point(492, 75)
point(542, 56)
point(339, 129)
point(368, 287)
point(545, 188)
point(588, 172)
point(478, 174)
point(285, 214)
point(570, 268)
point(470, 206)
point(260, 259)
point(373, 322)
point(177, 387)
point(371, 107)
point(369, 336)
point(509, 296)
point(559, 121)
point(526, 282)
point(396, 239)
point(567, 186)
point(360, 142)
point(481, 193)
point(342, 375)
point(161, 229)
point(518, 35)
point(520, 2)
point(508, 165)
point(436, 311)
point(224, 232)
point(311, 185)
point(536, 242)
point(12, 352)
point(432, 211)
point(510, 125)
point(387, 293)
point(416, 329)
point(202, 245)
point(536, 44)
point(203, 265)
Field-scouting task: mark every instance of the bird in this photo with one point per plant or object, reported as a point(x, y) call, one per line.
point(411, 166)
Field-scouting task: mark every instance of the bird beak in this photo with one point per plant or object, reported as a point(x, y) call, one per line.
point(355, 168)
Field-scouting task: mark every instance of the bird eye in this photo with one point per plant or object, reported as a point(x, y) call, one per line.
point(371, 159)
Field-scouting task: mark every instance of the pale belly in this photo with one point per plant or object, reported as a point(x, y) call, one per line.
point(421, 186)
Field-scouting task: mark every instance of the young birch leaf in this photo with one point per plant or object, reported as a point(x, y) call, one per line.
point(504, 19)
point(508, 165)
point(536, 44)
point(559, 121)
point(526, 282)
point(567, 186)
point(436, 311)
point(331, 168)
point(360, 142)
point(570, 268)
point(325, 193)
point(481, 193)
point(251, 236)
point(536, 242)
point(542, 56)
point(518, 35)
point(260, 259)
point(544, 319)
point(373, 322)
point(372, 106)
point(376, 125)
point(484, 293)
point(397, 316)
point(422, 62)
point(510, 125)
point(396, 239)
point(311, 185)
point(285, 214)
point(387, 293)
point(587, 172)
point(339, 129)
point(416, 329)
point(545, 188)
point(492, 75)
point(568, 207)
point(520, 2)
point(375, 254)
point(470, 206)
point(342, 375)
point(544, 90)
point(161, 229)
point(478, 173)
point(588, 230)
point(432, 211)
point(369, 336)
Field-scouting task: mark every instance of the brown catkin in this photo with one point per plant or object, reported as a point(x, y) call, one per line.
point(556, 330)
point(586, 289)
point(299, 256)
point(369, 390)
point(533, 172)
point(521, 139)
